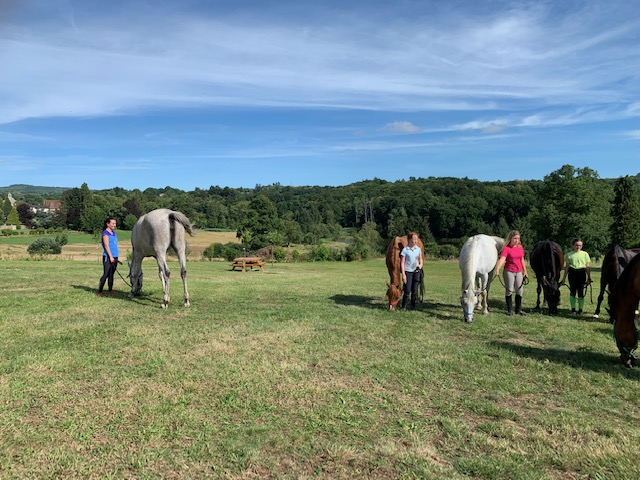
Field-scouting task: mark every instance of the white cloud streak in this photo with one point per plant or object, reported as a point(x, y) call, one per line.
point(116, 61)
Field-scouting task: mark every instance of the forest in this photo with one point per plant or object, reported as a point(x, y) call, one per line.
point(567, 203)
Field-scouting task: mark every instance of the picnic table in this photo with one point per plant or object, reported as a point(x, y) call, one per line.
point(247, 262)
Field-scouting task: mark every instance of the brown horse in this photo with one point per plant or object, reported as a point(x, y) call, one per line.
point(614, 262)
point(623, 308)
point(394, 285)
point(547, 261)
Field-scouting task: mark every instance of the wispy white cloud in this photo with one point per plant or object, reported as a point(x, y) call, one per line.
point(634, 134)
point(99, 63)
point(401, 127)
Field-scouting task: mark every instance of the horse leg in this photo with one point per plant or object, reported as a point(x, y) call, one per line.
point(596, 314)
point(538, 288)
point(179, 244)
point(164, 274)
point(484, 284)
point(183, 274)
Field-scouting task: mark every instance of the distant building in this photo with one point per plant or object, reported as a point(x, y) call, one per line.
point(51, 205)
point(48, 206)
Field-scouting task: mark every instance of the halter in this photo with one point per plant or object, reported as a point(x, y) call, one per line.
point(630, 352)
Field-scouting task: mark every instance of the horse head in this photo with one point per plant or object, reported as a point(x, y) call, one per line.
point(135, 274)
point(469, 301)
point(393, 295)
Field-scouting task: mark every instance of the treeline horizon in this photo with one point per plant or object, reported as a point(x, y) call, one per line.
point(569, 202)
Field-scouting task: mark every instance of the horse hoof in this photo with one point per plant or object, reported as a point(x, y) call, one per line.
point(595, 315)
point(468, 320)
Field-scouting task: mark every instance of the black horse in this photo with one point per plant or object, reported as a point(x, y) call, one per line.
point(623, 307)
point(614, 262)
point(547, 261)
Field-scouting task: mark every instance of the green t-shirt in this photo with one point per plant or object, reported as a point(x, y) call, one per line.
point(578, 259)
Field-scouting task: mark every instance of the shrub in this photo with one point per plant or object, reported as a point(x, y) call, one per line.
point(448, 251)
point(295, 255)
point(320, 253)
point(279, 254)
point(62, 239)
point(44, 246)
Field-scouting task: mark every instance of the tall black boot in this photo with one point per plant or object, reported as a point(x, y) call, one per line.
point(519, 310)
point(404, 301)
point(413, 301)
point(509, 301)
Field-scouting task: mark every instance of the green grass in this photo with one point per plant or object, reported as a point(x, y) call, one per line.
point(300, 372)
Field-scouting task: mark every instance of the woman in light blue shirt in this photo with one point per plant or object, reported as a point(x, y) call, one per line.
point(411, 267)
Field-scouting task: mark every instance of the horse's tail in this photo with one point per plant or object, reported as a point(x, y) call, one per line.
point(183, 220)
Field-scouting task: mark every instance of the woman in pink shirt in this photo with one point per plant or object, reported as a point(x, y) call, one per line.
point(515, 271)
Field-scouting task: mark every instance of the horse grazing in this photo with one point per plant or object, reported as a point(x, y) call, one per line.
point(152, 236)
point(477, 262)
point(394, 285)
point(614, 262)
point(547, 261)
point(623, 308)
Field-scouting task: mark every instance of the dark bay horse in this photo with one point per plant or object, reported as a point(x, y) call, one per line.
point(547, 261)
point(614, 262)
point(623, 308)
point(152, 235)
point(394, 285)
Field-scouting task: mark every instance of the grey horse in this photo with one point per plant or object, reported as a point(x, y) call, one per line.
point(152, 236)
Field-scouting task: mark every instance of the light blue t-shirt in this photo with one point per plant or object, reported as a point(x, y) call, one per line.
point(411, 258)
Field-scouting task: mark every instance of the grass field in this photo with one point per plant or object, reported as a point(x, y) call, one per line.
point(300, 372)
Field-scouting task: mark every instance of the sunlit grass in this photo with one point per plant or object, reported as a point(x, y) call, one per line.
point(300, 372)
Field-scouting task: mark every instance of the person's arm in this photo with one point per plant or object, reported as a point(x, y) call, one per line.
point(105, 242)
point(500, 264)
point(421, 260)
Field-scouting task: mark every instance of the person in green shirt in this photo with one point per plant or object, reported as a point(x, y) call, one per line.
point(577, 267)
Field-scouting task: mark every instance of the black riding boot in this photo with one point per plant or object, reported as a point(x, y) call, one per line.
point(413, 301)
point(509, 301)
point(404, 301)
point(519, 310)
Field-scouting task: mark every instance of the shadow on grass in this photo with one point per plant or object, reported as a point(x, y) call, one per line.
point(143, 299)
point(359, 301)
point(583, 359)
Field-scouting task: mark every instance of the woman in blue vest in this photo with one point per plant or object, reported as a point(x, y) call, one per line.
point(109, 255)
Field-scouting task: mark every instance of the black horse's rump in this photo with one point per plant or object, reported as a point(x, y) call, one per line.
point(547, 261)
point(614, 262)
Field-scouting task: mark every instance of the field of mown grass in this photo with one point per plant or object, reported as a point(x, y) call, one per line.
point(300, 372)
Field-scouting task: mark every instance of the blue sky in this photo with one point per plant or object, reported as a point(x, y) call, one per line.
point(237, 93)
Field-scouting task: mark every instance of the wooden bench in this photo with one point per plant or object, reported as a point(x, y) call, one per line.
point(247, 262)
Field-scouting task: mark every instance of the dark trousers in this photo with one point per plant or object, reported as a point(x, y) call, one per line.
point(577, 281)
point(411, 288)
point(109, 270)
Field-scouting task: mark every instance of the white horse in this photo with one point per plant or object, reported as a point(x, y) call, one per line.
point(152, 235)
point(478, 259)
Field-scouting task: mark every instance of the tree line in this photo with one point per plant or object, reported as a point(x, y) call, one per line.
point(569, 202)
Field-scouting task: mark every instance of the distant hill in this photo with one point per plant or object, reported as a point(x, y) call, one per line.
point(19, 190)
